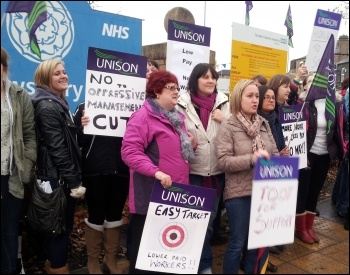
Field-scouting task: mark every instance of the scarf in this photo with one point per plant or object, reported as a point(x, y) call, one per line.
point(271, 118)
point(205, 104)
point(175, 120)
point(252, 128)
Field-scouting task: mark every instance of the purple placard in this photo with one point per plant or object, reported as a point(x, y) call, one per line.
point(276, 168)
point(184, 195)
point(114, 62)
point(188, 33)
point(291, 113)
point(327, 19)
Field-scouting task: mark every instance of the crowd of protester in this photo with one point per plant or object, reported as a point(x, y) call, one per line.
point(215, 140)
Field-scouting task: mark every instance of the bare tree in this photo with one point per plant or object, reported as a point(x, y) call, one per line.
point(93, 4)
point(343, 9)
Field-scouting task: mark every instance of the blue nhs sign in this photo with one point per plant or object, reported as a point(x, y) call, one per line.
point(66, 32)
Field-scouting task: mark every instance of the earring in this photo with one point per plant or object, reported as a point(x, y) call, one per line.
point(157, 96)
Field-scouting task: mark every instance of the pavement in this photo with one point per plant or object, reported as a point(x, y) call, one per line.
point(330, 256)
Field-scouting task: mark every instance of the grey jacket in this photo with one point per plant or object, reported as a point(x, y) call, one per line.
point(234, 152)
point(23, 138)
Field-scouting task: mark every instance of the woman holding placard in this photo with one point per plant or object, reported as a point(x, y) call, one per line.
point(156, 145)
point(241, 140)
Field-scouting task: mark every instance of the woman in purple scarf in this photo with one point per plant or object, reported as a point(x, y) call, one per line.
point(205, 108)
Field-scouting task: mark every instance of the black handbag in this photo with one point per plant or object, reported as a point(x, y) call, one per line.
point(46, 212)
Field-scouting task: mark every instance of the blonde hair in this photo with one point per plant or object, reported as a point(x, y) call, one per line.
point(44, 72)
point(236, 95)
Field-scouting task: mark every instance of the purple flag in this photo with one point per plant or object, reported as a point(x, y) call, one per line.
point(289, 24)
point(248, 7)
point(37, 14)
point(323, 84)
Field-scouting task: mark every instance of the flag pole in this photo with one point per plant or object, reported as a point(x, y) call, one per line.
point(205, 8)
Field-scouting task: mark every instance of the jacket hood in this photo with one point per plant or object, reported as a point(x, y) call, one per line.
point(42, 94)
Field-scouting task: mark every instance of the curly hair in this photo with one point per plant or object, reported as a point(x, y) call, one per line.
point(157, 82)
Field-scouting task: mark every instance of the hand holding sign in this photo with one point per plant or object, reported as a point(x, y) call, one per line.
point(164, 179)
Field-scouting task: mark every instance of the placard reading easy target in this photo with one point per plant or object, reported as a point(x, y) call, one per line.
point(175, 228)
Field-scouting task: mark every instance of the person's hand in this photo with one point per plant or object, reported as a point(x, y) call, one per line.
point(193, 140)
point(84, 119)
point(164, 179)
point(260, 153)
point(78, 193)
point(218, 115)
point(285, 151)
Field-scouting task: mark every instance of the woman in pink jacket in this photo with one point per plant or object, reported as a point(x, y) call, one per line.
point(241, 140)
point(156, 145)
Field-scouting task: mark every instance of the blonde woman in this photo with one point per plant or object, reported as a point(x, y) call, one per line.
point(241, 140)
point(59, 155)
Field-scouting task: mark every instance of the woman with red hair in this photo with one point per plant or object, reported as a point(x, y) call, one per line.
point(145, 149)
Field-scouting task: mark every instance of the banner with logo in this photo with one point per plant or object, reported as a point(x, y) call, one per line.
point(293, 120)
point(273, 203)
point(187, 46)
point(115, 88)
point(63, 30)
point(256, 51)
point(326, 23)
point(175, 228)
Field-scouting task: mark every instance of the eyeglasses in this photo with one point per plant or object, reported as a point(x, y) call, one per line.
point(172, 88)
point(268, 98)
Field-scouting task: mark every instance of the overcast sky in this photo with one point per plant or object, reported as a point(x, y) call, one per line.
point(219, 15)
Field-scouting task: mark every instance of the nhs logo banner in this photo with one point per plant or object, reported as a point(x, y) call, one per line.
point(34, 31)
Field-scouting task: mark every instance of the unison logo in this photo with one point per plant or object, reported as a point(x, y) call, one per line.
point(188, 34)
point(111, 62)
point(54, 36)
point(324, 19)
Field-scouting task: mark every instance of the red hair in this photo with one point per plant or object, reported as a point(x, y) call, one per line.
point(156, 82)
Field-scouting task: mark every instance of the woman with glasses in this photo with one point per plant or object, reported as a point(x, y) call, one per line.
point(241, 140)
point(205, 108)
point(156, 145)
point(266, 109)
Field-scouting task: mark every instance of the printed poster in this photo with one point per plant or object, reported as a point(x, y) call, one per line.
point(274, 198)
point(256, 51)
point(115, 88)
point(187, 46)
point(326, 23)
point(175, 228)
point(293, 120)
